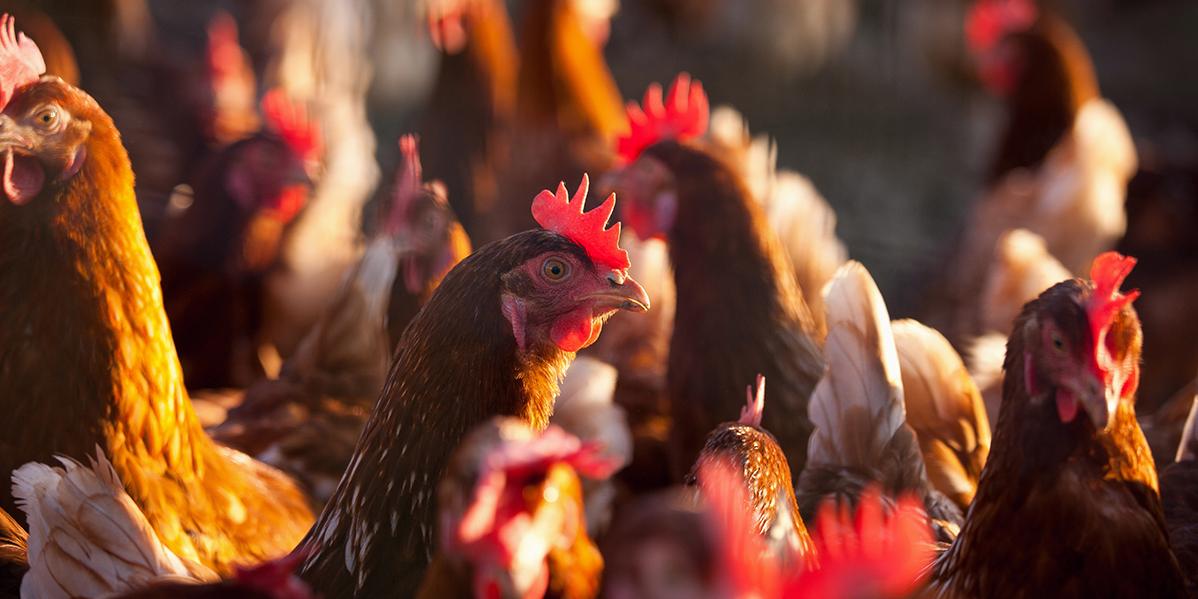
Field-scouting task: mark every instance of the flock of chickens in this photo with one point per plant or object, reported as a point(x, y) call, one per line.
point(504, 398)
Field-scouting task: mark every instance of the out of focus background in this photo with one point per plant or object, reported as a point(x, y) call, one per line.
point(876, 102)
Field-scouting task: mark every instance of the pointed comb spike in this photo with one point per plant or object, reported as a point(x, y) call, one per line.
point(558, 213)
point(290, 121)
point(991, 20)
point(682, 114)
point(750, 414)
point(21, 62)
point(1108, 271)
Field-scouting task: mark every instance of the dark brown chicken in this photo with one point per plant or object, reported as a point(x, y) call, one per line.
point(739, 311)
point(86, 356)
point(1067, 505)
point(216, 251)
point(307, 421)
point(1179, 496)
point(494, 339)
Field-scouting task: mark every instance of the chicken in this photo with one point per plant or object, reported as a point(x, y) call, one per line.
point(945, 410)
point(216, 252)
point(1020, 271)
point(87, 538)
point(467, 118)
point(1179, 500)
point(307, 421)
point(86, 355)
point(494, 339)
point(661, 546)
point(861, 436)
point(512, 516)
point(755, 455)
point(14, 550)
point(568, 109)
point(739, 311)
point(1067, 505)
point(1062, 165)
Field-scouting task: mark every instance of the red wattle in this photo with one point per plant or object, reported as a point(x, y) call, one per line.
point(574, 330)
point(1066, 405)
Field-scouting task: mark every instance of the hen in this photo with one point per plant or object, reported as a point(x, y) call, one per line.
point(1077, 489)
point(739, 311)
point(512, 516)
point(86, 355)
point(216, 251)
point(467, 118)
point(1180, 502)
point(307, 421)
point(861, 437)
point(1064, 159)
point(494, 339)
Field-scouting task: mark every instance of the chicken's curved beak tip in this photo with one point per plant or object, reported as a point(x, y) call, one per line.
point(637, 299)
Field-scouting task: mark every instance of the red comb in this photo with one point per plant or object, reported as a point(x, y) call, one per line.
point(290, 120)
point(1107, 272)
point(750, 415)
point(224, 51)
point(874, 554)
point(563, 215)
point(683, 115)
point(990, 20)
point(408, 181)
point(21, 62)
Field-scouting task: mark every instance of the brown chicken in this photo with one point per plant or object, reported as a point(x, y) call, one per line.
point(1068, 504)
point(307, 421)
point(1062, 164)
point(269, 580)
point(512, 517)
point(468, 115)
point(754, 453)
point(739, 311)
point(86, 356)
point(568, 109)
point(494, 339)
point(216, 251)
point(862, 439)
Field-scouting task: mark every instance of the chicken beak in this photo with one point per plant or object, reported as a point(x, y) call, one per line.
point(1098, 399)
point(623, 293)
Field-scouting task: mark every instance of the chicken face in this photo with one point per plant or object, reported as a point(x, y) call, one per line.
point(648, 199)
point(1066, 363)
point(561, 297)
point(42, 139)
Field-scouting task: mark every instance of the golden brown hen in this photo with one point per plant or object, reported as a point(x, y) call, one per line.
point(86, 355)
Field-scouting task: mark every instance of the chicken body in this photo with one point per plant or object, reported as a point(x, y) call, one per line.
point(1067, 505)
point(86, 355)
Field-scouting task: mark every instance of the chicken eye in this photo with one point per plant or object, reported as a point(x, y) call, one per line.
point(47, 118)
point(1058, 343)
point(554, 269)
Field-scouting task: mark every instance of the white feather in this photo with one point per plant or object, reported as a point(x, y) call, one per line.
point(1021, 270)
point(1187, 449)
point(87, 538)
point(857, 407)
